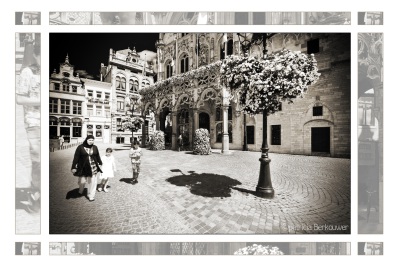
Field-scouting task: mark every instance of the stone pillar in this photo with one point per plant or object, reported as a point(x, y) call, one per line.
point(225, 137)
point(195, 123)
point(174, 129)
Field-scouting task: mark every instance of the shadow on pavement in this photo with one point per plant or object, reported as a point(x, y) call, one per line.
point(246, 191)
point(205, 184)
point(75, 193)
point(126, 180)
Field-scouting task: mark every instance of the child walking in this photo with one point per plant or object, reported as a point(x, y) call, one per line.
point(135, 153)
point(108, 169)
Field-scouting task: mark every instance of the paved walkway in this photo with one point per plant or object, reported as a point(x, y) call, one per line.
point(182, 193)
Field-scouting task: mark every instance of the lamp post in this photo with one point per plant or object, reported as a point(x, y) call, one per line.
point(245, 44)
point(264, 187)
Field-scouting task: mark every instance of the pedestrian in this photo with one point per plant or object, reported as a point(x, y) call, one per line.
point(86, 165)
point(180, 142)
point(28, 95)
point(61, 140)
point(135, 153)
point(108, 169)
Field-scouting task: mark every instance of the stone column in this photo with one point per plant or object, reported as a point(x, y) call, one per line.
point(174, 129)
point(225, 137)
point(195, 123)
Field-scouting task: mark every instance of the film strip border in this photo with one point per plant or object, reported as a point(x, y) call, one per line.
point(370, 133)
point(27, 127)
point(212, 18)
point(200, 18)
point(198, 248)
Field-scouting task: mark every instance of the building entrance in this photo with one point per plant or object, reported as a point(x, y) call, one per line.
point(320, 140)
point(204, 121)
point(66, 132)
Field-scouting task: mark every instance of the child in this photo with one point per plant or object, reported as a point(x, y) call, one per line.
point(135, 153)
point(108, 169)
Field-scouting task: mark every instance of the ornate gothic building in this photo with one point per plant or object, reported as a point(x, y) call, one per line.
point(184, 100)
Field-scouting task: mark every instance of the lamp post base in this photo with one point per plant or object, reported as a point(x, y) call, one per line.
point(264, 188)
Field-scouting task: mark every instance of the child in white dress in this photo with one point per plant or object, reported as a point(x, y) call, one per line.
point(108, 169)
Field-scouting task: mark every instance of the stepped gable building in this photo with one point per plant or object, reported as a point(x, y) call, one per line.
point(318, 124)
point(78, 106)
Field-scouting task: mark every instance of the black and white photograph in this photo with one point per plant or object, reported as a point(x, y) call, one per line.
point(27, 127)
point(199, 133)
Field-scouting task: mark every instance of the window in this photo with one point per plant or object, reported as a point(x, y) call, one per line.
point(98, 95)
point(317, 111)
point(169, 69)
point(219, 116)
point(74, 89)
point(131, 90)
point(250, 134)
point(56, 86)
point(89, 129)
point(120, 105)
point(184, 63)
point(65, 106)
point(313, 46)
point(53, 105)
point(98, 131)
point(107, 111)
point(220, 132)
point(76, 129)
point(65, 87)
point(275, 135)
point(90, 93)
point(119, 125)
point(366, 116)
point(120, 83)
point(99, 111)
point(258, 18)
point(107, 96)
point(89, 110)
point(76, 107)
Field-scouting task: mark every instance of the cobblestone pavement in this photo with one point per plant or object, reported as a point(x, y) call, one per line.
point(182, 193)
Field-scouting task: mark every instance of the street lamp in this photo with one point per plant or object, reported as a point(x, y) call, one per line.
point(264, 187)
point(245, 40)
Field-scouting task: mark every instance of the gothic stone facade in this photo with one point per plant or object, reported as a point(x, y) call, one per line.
point(318, 124)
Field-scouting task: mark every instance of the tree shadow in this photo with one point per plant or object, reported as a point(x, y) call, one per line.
point(74, 193)
point(205, 184)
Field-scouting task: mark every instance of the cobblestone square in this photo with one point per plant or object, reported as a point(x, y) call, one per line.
point(182, 193)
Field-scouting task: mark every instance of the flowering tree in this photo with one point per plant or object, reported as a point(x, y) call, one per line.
point(132, 123)
point(259, 250)
point(262, 84)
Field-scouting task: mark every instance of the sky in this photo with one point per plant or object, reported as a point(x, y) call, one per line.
point(86, 51)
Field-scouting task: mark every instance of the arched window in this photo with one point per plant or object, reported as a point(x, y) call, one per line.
point(184, 63)
point(130, 86)
point(168, 69)
point(120, 83)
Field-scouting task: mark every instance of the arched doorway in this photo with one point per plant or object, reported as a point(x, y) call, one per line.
point(166, 125)
point(204, 121)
